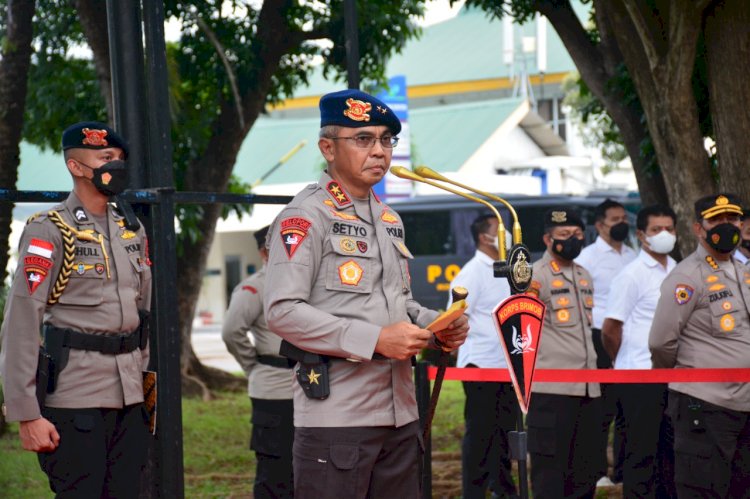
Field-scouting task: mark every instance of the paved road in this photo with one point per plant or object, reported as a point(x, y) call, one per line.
point(211, 350)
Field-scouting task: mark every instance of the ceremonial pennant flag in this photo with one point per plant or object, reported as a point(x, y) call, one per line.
point(519, 320)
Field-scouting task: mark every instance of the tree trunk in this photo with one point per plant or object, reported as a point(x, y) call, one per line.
point(93, 18)
point(597, 65)
point(728, 60)
point(14, 71)
point(659, 48)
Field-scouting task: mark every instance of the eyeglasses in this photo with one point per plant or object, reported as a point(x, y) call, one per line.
point(367, 141)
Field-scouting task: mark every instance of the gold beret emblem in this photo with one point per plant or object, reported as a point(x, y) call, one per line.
point(721, 200)
point(559, 217)
point(357, 110)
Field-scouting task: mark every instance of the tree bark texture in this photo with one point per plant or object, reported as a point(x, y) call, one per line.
point(93, 18)
point(727, 41)
point(597, 64)
point(14, 72)
point(659, 47)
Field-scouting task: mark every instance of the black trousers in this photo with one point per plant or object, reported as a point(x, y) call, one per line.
point(712, 448)
point(102, 452)
point(647, 464)
point(271, 439)
point(490, 413)
point(563, 435)
point(358, 462)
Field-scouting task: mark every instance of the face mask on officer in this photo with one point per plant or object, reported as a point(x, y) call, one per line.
point(723, 238)
point(567, 249)
point(662, 243)
point(619, 232)
point(111, 178)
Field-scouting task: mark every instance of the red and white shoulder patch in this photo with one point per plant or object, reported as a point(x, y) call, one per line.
point(40, 247)
point(293, 232)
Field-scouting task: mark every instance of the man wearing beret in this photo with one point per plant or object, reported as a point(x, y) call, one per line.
point(339, 286)
point(83, 280)
point(564, 418)
point(269, 382)
point(702, 321)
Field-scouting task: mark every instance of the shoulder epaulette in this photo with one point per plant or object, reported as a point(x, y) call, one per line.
point(34, 217)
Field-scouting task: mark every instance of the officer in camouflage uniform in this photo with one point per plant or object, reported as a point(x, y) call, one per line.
point(269, 382)
point(564, 418)
point(701, 321)
point(338, 285)
point(83, 273)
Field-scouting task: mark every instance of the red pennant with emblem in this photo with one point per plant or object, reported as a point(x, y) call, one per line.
point(293, 232)
point(519, 320)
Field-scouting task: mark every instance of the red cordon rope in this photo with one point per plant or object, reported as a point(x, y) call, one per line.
point(602, 375)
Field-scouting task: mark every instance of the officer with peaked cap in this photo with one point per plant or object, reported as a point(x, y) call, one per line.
point(339, 287)
point(83, 278)
point(702, 321)
point(564, 418)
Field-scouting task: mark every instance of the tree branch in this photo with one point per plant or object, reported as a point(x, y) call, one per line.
point(227, 67)
point(645, 35)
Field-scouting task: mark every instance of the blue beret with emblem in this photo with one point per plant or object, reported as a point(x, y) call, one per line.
point(356, 109)
point(92, 135)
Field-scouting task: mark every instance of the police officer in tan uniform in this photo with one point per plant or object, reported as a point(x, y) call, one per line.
point(564, 418)
point(338, 285)
point(83, 276)
point(269, 382)
point(701, 321)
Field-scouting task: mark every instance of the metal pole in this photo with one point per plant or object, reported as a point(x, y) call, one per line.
point(422, 386)
point(352, 43)
point(165, 346)
point(518, 444)
point(126, 63)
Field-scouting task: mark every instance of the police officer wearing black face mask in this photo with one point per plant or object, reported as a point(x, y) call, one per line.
point(702, 321)
point(564, 418)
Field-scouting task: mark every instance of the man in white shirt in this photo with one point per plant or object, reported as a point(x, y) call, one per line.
point(490, 408)
point(742, 253)
point(603, 259)
point(630, 310)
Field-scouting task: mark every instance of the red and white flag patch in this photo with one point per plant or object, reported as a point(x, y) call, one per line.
point(293, 232)
point(41, 248)
point(35, 268)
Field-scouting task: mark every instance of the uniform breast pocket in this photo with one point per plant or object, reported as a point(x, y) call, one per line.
point(350, 267)
point(562, 310)
point(724, 317)
point(85, 285)
point(139, 269)
point(403, 261)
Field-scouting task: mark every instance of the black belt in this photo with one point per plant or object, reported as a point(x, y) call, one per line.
point(273, 361)
point(112, 344)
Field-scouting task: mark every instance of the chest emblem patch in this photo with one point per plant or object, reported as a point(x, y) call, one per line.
point(81, 268)
point(683, 293)
point(726, 305)
point(347, 245)
point(726, 322)
point(557, 283)
point(712, 278)
point(716, 287)
point(293, 232)
point(563, 301)
point(350, 273)
point(388, 217)
point(362, 246)
point(563, 315)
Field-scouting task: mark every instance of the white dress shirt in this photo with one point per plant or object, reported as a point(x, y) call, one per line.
point(632, 301)
point(482, 346)
point(603, 262)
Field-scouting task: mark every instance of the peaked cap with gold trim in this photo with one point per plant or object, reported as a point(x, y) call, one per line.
point(710, 206)
point(356, 109)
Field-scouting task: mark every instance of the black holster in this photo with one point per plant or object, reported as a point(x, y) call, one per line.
point(312, 370)
point(44, 382)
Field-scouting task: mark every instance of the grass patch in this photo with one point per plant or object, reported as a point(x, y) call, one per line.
point(216, 435)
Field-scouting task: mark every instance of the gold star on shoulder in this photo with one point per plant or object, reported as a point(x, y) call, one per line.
point(341, 197)
point(313, 377)
point(335, 189)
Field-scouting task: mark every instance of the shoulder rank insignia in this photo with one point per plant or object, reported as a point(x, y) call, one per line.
point(357, 110)
point(350, 273)
point(555, 266)
point(389, 217)
point(293, 232)
point(712, 262)
point(338, 193)
point(683, 293)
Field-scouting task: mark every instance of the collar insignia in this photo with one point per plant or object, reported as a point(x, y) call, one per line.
point(555, 266)
point(712, 262)
point(357, 110)
point(80, 214)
